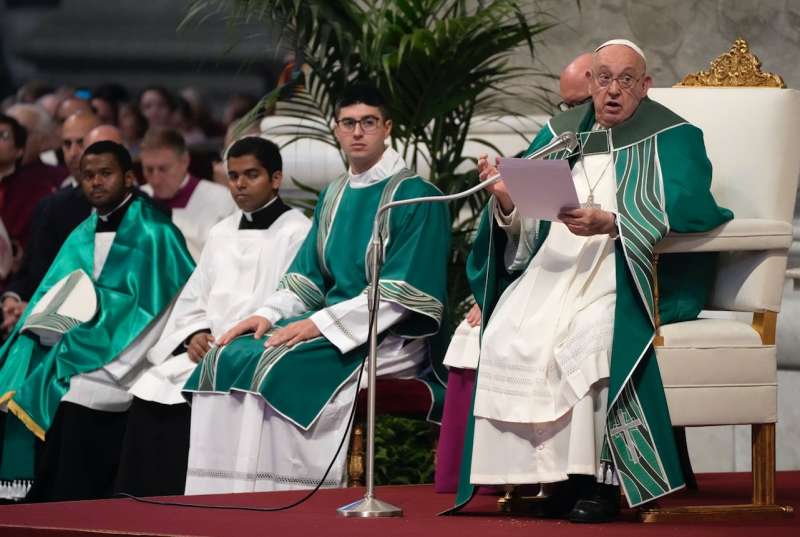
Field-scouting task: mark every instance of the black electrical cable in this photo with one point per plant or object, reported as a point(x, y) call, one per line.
point(268, 509)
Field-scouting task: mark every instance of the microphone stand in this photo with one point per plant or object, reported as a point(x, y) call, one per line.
point(369, 506)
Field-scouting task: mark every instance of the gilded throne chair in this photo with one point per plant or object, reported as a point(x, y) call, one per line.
point(721, 369)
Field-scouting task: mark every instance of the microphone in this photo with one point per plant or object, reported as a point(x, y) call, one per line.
point(566, 141)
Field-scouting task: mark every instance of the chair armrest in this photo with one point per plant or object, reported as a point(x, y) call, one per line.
point(739, 234)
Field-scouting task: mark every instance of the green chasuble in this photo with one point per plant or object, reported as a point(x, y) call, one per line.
point(663, 178)
point(146, 267)
point(331, 267)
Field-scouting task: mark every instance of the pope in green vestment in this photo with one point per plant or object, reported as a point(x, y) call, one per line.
point(146, 267)
point(663, 179)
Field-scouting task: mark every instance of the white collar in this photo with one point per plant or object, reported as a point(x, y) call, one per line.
point(390, 163)
point(104, 217)
point(249, 216)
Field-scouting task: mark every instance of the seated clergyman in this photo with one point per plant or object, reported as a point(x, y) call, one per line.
point(240, 267)
point(269, 411)
point(67, 366)
point(196, 204)
point(568, 388)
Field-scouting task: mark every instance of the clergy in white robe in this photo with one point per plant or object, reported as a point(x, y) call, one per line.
point(196, 204)
point(65, 377)
point(272, 419)
point(568, 389)
point(240, 267)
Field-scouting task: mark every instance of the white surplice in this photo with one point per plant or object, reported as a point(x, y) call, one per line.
point(254, 448)
point(209, 204)
point(238, 270)
point(540, 403)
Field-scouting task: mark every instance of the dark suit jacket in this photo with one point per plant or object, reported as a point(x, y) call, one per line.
point(54, 218)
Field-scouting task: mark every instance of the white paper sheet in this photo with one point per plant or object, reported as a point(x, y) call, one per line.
point(539, 188)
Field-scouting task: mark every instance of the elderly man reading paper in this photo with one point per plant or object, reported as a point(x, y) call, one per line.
point(569, 395)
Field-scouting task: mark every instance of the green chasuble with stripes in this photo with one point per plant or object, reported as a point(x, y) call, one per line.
point(146, 267)
point(663, 179)
point(330, 267)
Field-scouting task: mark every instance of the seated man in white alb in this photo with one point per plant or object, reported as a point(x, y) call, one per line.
point(196, 204)
point(241, 265)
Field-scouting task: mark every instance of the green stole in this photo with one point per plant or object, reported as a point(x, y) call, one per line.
point(331, 267)
point(663, 183)
point(147, 266)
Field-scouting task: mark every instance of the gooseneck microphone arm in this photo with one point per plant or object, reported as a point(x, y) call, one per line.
point(369, 505)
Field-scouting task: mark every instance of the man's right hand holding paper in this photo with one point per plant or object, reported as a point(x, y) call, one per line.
point(498, 190)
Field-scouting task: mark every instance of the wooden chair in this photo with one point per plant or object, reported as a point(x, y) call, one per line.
point(408, 398)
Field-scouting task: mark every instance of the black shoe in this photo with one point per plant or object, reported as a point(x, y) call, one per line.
point(603, 506)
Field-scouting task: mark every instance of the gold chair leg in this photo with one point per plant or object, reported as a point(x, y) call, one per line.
point(763, 506)
point(763, 449)
point(356, 457)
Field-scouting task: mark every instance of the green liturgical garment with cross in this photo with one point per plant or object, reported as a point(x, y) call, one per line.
point(330, 267)
point(663, 179)
point(146, 267)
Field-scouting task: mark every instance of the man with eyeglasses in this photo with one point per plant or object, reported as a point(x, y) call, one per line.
point(568, 306)
point(278, 387)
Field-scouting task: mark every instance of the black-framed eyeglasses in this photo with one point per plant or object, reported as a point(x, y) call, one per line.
point(564, 106)
point(625, 81)
point(369, 124)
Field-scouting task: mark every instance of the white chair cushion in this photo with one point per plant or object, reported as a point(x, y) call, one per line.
point(714, 352)
point(716, 371)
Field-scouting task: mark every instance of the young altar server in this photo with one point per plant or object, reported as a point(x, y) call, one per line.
point(268, 412)
point(240, 267)
point(67, 366)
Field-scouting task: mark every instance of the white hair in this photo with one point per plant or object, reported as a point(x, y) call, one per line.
point(43, 122)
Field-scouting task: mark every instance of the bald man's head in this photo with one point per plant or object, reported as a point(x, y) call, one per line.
point(71, 106)
point(73, 138)
point(574, 81)
point(103, 133)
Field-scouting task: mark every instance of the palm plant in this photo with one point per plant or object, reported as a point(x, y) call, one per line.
point(439, 61)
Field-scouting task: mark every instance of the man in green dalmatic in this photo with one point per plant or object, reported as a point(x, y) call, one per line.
point(65, 371)
point(568, 395)
point(270, 408)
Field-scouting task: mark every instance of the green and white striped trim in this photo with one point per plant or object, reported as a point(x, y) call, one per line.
point(630, 448)
point(53, 322)
point(304, 288)
point(642, 216)
point(208, 369)
point(411, 298)
point(49, 318)
point(265, 362)
point(327, 212)
point(389, 191)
